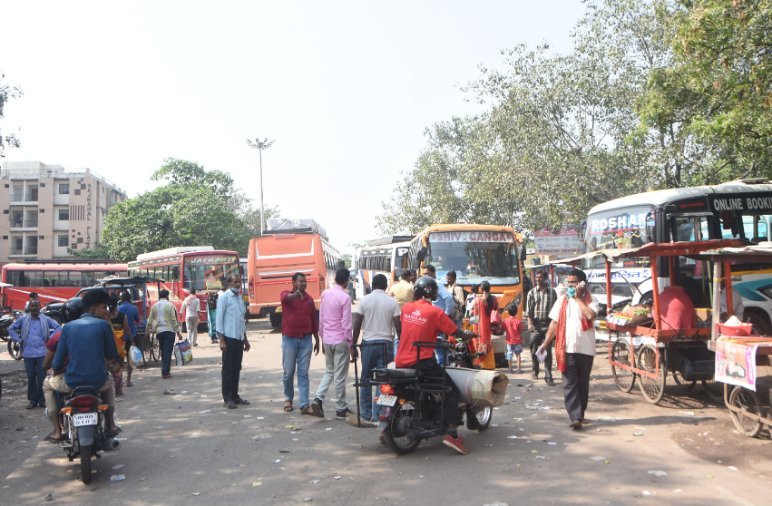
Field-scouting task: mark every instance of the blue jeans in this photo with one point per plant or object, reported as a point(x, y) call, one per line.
point(35, 376)
point(210, 321)
point(166, 343)
point(296, 355)
point(441, 353)
point(375, 355)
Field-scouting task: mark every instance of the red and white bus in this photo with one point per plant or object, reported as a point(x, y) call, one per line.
point(272, 261)
point(182, 269)
point(53, 282)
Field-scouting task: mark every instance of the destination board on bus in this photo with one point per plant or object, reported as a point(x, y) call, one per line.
point(754, 203)
point(471, 236)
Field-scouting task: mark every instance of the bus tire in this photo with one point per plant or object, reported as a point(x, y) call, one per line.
point(759, 321)
point(275, 320)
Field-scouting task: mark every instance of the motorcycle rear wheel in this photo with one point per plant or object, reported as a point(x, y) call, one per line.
point(85, 464)
point(478, 418)
point(397, 433)
point(14, 350)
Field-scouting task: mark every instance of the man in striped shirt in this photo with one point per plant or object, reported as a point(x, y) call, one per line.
point(540, 300)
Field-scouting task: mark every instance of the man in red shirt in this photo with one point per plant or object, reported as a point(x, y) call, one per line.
point(299, 321)
point(421, 322)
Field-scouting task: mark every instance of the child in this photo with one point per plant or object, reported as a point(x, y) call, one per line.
point(512, 328)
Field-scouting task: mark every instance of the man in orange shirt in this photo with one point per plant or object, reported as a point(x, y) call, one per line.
point(421, 322)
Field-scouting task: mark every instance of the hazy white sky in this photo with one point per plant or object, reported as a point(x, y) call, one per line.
point(346, 89)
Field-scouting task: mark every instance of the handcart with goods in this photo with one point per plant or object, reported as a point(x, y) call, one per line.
point(645, 347)
point(742, 356)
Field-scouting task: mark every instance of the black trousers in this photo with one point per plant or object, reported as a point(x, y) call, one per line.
point(430, 367)
point(537, 338)
point(231, 368)
point(576, 384)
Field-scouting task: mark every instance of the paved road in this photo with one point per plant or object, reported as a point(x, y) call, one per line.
point(183, 447)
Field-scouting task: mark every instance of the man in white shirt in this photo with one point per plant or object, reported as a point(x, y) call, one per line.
point(572, 325)
point(378, 315)
point(191, 305)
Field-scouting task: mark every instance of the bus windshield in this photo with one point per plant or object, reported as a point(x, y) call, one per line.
point(475, 256)
point(209, 272)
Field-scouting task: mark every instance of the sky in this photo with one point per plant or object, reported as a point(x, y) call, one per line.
point(345, 89)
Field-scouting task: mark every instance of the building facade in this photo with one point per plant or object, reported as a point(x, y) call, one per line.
point(49, 212)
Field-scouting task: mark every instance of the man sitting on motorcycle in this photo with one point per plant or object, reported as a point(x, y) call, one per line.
point(85, 345)
point(421, 322)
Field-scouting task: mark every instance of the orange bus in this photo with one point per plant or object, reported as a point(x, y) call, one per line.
point(274, 258)
point(53, 282)
point(202, 268)
point(477, 253)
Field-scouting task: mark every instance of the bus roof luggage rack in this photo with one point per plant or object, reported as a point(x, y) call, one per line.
point(295, 226)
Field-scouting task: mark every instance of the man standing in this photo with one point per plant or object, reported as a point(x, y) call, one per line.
point(458, 296)
point(378, 315)
point(572, 326)
point(299, 321)
point(211, 305)
point(163, 321)
point(132, 317)
point(35, 329)
point(538, 304)
point(444, 301)
point(85, 345)
point(421, 321)
point(190, 307)
point(232, 333)
point(335, 330)
point(402, 290)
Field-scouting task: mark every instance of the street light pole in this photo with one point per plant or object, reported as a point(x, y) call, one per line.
point(260, 145)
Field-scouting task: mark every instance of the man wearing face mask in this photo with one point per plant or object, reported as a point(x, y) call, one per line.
point(232, 332)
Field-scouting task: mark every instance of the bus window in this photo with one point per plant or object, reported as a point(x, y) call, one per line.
point(690, 228)
point(34, 278)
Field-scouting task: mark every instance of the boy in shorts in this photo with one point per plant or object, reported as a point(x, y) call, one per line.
point(513, 326)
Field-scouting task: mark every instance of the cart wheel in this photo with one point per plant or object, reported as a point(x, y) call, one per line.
point(679, 380)
point(746, 401)
point(714, 390)
point(652, 389)
point(624, 378)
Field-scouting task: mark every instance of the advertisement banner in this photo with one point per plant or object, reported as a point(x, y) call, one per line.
point(736, 363)
point(564, 244)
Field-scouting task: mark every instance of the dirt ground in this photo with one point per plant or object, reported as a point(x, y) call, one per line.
point(182, 447)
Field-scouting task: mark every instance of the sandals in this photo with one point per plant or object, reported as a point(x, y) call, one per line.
point(287, 406)
point(306, 410)
point(51, 439)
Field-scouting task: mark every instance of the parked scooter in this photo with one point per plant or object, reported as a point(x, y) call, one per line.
point(412, 404)
point(14, 349)
point(82, 419)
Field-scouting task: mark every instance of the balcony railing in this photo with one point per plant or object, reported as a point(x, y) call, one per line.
point(31, 223)
point(24, 197)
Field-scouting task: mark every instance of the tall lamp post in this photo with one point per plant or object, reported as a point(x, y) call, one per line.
point(260, 145)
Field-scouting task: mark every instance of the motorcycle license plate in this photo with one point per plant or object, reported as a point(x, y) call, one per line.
point(387, 400)
point(81, 419)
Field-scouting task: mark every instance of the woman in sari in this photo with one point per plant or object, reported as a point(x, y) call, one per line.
point(483, 305)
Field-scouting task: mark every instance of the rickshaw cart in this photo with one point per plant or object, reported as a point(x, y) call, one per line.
point(740, 356)
point(684, 352)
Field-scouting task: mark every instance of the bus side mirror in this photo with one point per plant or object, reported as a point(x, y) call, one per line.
point(523, 252)
point(421, 254)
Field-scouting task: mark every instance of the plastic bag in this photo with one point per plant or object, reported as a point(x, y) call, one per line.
point(135, 356)
point(183, 354)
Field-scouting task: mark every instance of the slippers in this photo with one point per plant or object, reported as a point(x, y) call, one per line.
point(287, 406)
point(51, 439)
point(129, 384)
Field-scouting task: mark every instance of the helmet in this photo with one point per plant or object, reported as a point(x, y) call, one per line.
point(425, 287)
point(73, 309)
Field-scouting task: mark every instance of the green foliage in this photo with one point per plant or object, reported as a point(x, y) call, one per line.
point(7, 92)
point(194, 207)
point(98, 252)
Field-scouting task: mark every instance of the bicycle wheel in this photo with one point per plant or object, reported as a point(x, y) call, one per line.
point(653, 389)
point(623, 376)
point(746, 401)
point(155, 349)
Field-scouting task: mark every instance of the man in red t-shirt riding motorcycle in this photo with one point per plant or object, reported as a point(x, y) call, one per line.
point(421, 322)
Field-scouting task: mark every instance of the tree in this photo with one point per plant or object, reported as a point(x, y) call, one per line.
point(717, 89)
point(194, 207)
point(7, 92)
point(98, 252)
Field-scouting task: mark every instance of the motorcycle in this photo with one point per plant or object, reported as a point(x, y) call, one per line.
point(14, 349)
point(412, 404)
point(82, 420)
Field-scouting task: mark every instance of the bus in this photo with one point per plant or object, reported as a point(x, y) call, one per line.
point(182, 269)
point(739, 209)
point(53, 282)
point(477, 253)
point(388, 256)
point(276, 256)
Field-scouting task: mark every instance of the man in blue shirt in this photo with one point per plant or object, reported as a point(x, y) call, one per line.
point(444, 301)
point(132, 317)
point(232, 333)
point(82, 350)
point(32, 331)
